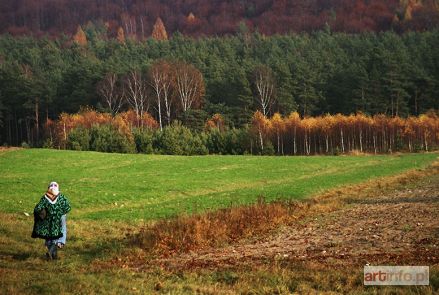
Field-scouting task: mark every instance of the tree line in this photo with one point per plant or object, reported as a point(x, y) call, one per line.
point(190, 80)
point(281, 135)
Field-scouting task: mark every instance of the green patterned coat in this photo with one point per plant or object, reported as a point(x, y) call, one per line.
point(47, 217)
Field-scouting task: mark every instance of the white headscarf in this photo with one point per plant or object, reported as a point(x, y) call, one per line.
point(54, 188)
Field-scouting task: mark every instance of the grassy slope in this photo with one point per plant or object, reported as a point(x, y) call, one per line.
point(149, 187)
point(136, 181)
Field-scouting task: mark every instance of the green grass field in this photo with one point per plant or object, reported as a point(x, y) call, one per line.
point(147, 187)
point(112, 194)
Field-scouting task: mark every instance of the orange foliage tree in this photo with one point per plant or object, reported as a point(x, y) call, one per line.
point(87, 118)
point(261, 126)
point(293, 125)
point(159, 30)
point(80, 38)
point(348, 134)
point(215, 123)
point(278, 126)
point(326, 134)
point(120, 35)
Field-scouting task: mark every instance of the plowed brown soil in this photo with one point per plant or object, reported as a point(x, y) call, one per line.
point(398, 227)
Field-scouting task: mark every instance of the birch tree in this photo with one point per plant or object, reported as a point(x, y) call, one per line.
point(294, 123)
point(108, 89)
point(261, 125)
point(161, 81)
point(264, 86)
point(278, 124)
point(189, 85)
point(136, 93)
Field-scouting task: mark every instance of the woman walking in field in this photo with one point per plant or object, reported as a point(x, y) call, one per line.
point(50, 220)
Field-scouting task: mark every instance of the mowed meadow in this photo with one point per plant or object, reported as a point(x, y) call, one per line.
point(113, 195)
point(126, 187)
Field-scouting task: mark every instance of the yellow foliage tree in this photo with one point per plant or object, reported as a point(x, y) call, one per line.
point(261, 125)
point(278, 125)
point(293, 124)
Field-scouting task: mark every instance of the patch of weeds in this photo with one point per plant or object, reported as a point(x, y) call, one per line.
point(226, 277)
point(407, 228)
point(293, 286)
point(434, 281)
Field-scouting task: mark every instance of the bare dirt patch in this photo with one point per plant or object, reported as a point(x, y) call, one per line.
point(384, 225)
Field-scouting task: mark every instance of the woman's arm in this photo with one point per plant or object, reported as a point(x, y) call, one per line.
point(40, 209)
point(66, 206)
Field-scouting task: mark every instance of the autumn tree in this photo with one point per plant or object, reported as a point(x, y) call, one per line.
point(326, 125)
point(136, 93)
point(190, 18)
point(110, 92)
point(293, 124)
point(215, 123)
point(189, 85)
point(340, 123)
point(278, 126)
point(380, 128)
point(120, 35)
point(264, 84)
point(309, 124)
point(427, 127)
point(361, 122)
point(161, 81)
point(159, 30)
point(80, 38)
point(261, 125)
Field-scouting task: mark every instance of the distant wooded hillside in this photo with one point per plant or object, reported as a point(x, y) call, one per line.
point(199, 17)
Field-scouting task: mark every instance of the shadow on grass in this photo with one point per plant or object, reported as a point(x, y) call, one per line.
point(16, 256)
point(21, 256)
point(89, 251)
point(79, 252)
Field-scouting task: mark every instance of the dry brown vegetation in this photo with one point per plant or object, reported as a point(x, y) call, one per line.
point(190, 233)
point(227, 226)
point(7, 149)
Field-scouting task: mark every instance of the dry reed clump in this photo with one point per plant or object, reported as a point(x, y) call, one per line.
point(188, 233)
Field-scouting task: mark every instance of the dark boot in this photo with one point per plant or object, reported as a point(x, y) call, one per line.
point(53, 251)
